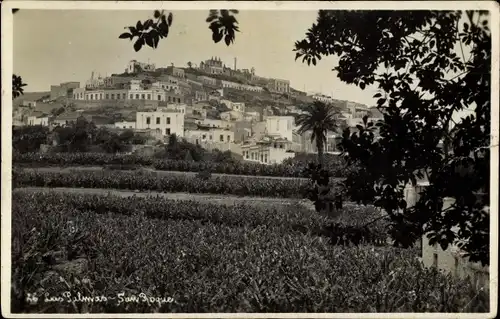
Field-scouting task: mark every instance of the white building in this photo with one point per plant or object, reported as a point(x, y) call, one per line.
point(125, 125)
point(166, 121)
point(322, 98)
point(135, 85)
point(215, 123)
point(252, 116)
point(232, 116)
point(280, 126)
point(167, 85)
point(231, 85)
point(213, 135)
point(135, 66)
point(267, 151)
point(38, 120)
point(235, 106)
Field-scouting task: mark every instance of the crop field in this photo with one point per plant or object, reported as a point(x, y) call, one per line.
point(295, 169)
point(145, 181)
point(202, 257)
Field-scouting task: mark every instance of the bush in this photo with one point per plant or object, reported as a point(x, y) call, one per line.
point(216, 162)
point(167, 183)
point(211, 267)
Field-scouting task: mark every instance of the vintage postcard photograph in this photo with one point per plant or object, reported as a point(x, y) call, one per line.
point(250, 159)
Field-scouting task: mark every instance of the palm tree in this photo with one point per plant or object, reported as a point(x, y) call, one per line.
point(318, 118)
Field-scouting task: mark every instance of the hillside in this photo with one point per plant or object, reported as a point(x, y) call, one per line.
point(30, 96)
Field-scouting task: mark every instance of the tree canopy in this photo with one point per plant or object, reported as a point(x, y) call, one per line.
point(319, 118)
point(428, 65)
point(222, 23)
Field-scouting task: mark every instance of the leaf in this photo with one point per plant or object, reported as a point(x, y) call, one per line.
point(170, 17)
point(157, 14)
point(149, 40)
point(227, 39)
point(163, 29)
point(362, 85)
point(139, 26)
point(133, 30)
point(313, 61)
point(138, 44)
point(125, 35)
point(377, 95)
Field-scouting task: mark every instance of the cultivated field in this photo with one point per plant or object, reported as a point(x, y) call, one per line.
point(140, 241)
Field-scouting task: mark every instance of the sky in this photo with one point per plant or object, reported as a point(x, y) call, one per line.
point(54, 46)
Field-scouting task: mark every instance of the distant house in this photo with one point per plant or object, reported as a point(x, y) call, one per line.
point(280, 126)
point(42, 120)
point(267, 151)
point(210, 135)
point(28, 103)
point(66, 119)
point(125, 125)
point(231, 116)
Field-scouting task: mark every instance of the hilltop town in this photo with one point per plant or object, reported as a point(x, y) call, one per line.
point(209, 104)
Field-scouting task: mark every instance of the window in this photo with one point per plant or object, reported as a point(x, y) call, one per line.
point(143, 96)
point(157, 120)
point(229, 138)
point(204, 136)
point(435, 261)
point(252, 155)
point(210, 137)
point(117, 96)
point(112, 96)
point(221, 138)
point(137, 96)
point(130, 126)
point(148, 120)
point(131, 96)
point(100, 96)
point(168, 120)
point(170, 99)
point(107, 96)
point(149, 96)
point(167, 131)
point(265, 158)
point(261, 157)
point(124, 96)
point(159, 97)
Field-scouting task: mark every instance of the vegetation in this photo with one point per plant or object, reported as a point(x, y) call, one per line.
point(424, 82)
point(146, 181)
point(29, 138)
point(17, 86)
point(215, 162)
point(75, 244)
point(223, 25)
point(319, 119)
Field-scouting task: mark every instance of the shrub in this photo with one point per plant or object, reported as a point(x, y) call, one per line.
point(217, 163)
point(264, 187)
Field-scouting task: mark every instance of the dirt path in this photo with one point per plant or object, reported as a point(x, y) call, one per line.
point(215, 199)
